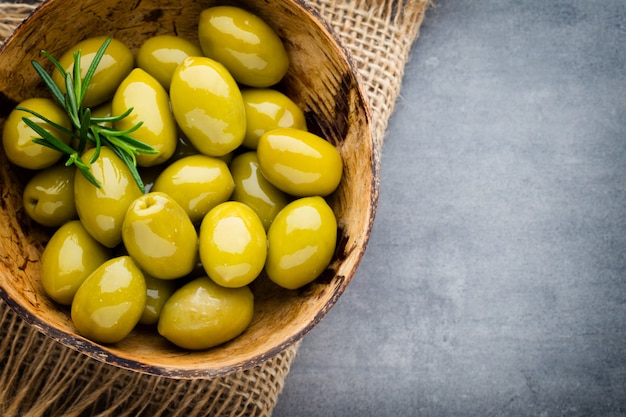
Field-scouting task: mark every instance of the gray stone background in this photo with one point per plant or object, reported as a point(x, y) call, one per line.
point(494, 283)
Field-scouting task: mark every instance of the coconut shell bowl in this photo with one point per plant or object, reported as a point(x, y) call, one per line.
point(321, 79)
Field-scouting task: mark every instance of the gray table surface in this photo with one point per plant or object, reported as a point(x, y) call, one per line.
point(494, 283)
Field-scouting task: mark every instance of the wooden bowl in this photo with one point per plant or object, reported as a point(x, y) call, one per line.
point(321, 79)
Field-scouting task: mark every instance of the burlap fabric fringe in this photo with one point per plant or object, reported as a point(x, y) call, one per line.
point(39, 377)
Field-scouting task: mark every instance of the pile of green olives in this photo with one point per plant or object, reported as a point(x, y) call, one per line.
point(236, 189)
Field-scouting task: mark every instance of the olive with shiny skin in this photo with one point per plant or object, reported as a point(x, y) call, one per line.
point(301, 242)
point(246, 45)
point(49, 196)
point(207, 105)
point(110, 302)
point(102, 210)
point(202, 314)
point(151, 106)
point(116, 63)
point(268, 109)
point(300, 163)
point(233, 244)
point(197, 182)
point(17, 136)
point(254, 190)
point(70, 256)
point(160, 55)
point(159, 235)
point(158, 291)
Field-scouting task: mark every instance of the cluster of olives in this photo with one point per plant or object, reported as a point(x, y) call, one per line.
point(235, 190)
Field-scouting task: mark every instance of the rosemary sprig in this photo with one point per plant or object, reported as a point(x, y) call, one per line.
point(85, 128)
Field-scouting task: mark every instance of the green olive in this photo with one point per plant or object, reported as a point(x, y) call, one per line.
point(301, 242)
point(110, 302)
point(161, 54)
point(69, 257)
point(157, 293)
point(102, 210)
point(244, 43)
point(299, 163)
point(197, 182)
point(208, 106)
point(17, 137)
point(151, 106)
point(254, 190)
point(202, 314)
point(268, 109)
point(159, 235)
point(49, 196)
point(115, 65)
point(233, 244)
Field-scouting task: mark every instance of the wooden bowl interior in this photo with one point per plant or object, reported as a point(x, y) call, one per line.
point(321, 80)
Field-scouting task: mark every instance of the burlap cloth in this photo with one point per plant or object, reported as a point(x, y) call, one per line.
point(39, 377)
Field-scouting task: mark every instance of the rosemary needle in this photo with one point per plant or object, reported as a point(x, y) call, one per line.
point(85, 128)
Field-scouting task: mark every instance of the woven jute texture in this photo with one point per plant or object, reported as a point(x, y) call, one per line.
point(39, 377)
